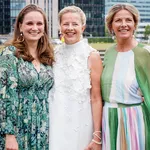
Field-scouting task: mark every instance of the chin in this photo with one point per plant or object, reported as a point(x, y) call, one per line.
point(70, 41)
point(124, 37)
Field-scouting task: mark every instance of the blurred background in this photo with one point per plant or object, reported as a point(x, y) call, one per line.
point(96, 32)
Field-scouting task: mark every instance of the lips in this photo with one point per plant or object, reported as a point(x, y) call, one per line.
point(123, 30)
point(70, 33)
point(34, 33)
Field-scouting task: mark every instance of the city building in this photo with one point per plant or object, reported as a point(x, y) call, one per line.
point(95, 13)
point(4, 16)
point(94, 10)
point(144, 8)
point(10, 9)
point(15, 7)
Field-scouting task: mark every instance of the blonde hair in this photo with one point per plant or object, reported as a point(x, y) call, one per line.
point(72, 9)
point(122, 6)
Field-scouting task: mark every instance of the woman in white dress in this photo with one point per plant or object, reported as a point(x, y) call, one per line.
point(76, 108)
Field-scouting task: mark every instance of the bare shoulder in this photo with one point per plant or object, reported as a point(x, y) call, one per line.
point(94, 59)
point(95, 56)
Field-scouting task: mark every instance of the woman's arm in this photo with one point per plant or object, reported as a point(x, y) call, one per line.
point(8, 99)
point(95, 65)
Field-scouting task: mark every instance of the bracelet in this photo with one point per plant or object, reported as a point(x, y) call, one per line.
point(99, 143)
point(97, 131)
point(97, 136)
point(94, 133)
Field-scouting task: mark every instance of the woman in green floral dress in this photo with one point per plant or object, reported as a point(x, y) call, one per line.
point(25, 80)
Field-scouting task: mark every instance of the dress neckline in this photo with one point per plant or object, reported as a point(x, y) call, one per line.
point(75, 45)
point(124, 51)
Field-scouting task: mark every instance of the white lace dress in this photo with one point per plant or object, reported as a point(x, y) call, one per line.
point(71, 124)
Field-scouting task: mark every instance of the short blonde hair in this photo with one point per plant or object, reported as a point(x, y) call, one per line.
point(72, 9)
point(122, 6)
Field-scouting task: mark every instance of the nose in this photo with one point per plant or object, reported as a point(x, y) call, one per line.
point(70, 27)
point(123, 23)
point(34, 27)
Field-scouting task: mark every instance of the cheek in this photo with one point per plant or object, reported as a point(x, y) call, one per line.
point(62, 29)
point(42, 28)
point(26, 28)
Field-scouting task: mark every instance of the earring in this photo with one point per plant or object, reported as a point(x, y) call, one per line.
point(21, 37)
point(113, 34)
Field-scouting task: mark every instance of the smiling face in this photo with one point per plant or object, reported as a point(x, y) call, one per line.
point(32, 26)
point(123, 24)
point(71, 27)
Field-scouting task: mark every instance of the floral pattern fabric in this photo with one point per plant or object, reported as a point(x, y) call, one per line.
point(24, 108)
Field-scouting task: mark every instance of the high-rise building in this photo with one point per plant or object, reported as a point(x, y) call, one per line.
point(9, 11)
point(94, 10)
point(4, 16)
point(95, 13)
point(15, 7)
point(144, 8)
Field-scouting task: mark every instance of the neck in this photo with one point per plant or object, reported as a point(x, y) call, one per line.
point(126, 45)
point(33, 49)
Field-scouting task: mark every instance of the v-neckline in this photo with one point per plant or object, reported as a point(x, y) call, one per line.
point(37, 69)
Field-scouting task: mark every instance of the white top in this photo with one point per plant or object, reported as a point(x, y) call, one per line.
point(124, 85)
point(71, 124)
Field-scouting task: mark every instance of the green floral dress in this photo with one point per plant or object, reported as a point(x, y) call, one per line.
point(24, 108)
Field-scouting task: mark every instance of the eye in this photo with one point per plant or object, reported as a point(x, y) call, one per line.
point(29, 23)
point(75, 24)
point(39, 23)
point(128, 19)
point(117, 20)
point(65, 24)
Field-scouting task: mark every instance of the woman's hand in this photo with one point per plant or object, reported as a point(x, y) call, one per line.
point(11, 142)
point(93, 146)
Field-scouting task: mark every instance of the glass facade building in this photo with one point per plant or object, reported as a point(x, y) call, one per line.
point(9, 11)
point(5, 16)
point(95, 13)
point(15, 7)
point(94, 10)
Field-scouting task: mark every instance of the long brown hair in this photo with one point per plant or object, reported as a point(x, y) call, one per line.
point(44, 48)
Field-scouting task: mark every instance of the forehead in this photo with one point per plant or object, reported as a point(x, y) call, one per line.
point(123, 14)
point(33, 15)
point(70, 16)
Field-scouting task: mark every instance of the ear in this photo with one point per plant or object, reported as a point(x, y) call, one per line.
point(110, 28)
point(135, 26)
point(83, 28)
point(20, 27)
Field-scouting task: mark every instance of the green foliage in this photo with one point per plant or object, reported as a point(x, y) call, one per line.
point(147, 31)
point(101, 40)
